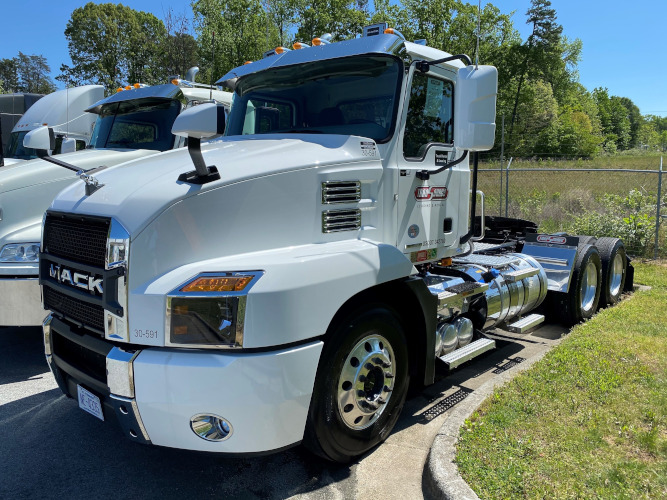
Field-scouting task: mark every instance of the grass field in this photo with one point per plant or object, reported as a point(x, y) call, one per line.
point(557, 200)
point(587, 421)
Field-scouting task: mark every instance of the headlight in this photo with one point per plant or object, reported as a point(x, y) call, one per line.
point(209, 310)
point(20, 252)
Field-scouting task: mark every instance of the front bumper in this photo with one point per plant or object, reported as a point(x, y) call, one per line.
point(264, 395)
point(21, 303)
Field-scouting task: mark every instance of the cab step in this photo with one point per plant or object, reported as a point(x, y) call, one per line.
point(526, 323)
point(520, 274)
point(472, 350)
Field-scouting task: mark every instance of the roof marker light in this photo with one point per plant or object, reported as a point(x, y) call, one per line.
point(300, 45)
point(136, 85)
point(392, 31)
point(281, 50)
point(323, 40)
point(175, 81)
point(128, 87)
point(247, 62)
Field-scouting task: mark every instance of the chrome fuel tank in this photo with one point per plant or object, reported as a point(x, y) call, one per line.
point(519, 284)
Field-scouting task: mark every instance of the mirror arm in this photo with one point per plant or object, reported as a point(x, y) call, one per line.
point(44, 155)
point(425, 175)
point(202, 174)
point(425, 66)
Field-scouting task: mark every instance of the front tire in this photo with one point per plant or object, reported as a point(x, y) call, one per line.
point(361, 385)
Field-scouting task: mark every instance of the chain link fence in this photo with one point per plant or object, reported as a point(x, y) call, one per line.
point(628, 203)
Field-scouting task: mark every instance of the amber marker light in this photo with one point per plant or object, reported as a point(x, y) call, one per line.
point(120, 89)
point(389, 31)
point(218, 284)
point(299, 45)
point(174, 81)
point(128, 87)
point(447, 261)
point(317, 42)
point(247, 62)
point(281, 50)
point(137, 85)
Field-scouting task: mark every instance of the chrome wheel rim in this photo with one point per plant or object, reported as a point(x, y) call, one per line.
point(366, 382)
point(617, 271)
point(589, 285)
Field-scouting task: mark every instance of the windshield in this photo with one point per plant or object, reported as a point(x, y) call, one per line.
point(349, 96)
point(143, 124)
point(15, 147)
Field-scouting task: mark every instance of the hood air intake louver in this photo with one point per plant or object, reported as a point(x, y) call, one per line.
point(341, 192)
point(341, 220)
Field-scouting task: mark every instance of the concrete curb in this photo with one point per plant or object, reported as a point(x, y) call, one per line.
point(441, 475)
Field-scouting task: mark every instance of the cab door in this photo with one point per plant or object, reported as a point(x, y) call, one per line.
point(432, 208)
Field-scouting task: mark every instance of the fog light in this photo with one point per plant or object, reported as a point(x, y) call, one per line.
point(211, 427)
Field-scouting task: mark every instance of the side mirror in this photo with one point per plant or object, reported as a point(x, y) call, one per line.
point(475, 105)
point(200, 122)
point(197, 123)
point(68, 146)
point(41, 139)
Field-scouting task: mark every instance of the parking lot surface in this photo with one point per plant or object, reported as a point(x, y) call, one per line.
point(49, 448)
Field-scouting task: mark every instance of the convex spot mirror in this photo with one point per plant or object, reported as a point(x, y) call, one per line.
point(475, 108)
point(201, 121)
point(41, 138)
point(68, 146)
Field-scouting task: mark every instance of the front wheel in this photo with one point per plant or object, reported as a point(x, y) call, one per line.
point(360, 388)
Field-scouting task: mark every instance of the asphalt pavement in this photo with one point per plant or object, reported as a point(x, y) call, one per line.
point(49, 448)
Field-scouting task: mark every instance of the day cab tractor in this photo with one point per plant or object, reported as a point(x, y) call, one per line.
point(318, 260)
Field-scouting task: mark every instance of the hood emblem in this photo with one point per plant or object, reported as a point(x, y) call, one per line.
point(92, 184)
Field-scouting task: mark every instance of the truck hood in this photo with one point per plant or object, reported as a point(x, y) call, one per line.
point(28, 187)
point(27, 173)
point(135, 196)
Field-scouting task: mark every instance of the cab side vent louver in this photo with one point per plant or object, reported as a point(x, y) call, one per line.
point(341, 220)
point(341, 192)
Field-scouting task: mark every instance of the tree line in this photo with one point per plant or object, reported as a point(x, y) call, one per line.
point(545, 109)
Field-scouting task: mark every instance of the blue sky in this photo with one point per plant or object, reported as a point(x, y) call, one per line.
point(624, 45)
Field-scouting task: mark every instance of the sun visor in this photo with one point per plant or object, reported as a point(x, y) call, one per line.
point(167, 92)
point(380, 45)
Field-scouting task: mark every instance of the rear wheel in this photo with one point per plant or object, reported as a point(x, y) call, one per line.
point(361, 384)
point(584, 293)
point(614, 268)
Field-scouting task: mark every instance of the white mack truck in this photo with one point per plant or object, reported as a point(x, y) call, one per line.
point(315, 263)
point(133, 123)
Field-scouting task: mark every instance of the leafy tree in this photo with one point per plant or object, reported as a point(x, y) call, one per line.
point(635, 118)
point(342, 18)
point(179, 47)
point(26, 73)
point(9, 74)
point(283, 14)
point(230, 32)
point(110, 43)
point(614, 119)
point(541, 43)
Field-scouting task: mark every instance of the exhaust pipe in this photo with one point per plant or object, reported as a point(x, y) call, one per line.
point(191, 73)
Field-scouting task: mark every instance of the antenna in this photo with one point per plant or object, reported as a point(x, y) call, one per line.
point(210, 96)
point(479, 32)
point(67, 108)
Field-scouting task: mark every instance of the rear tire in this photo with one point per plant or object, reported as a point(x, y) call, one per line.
point(586, 240)
point(614, 269)
point(361, 385)
point(582, 299)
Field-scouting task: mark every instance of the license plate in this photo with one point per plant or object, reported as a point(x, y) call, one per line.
point(89, 402)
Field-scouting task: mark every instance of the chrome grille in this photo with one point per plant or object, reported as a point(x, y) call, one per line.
point(341, 220)
point(341, 192)
point(81, 239)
